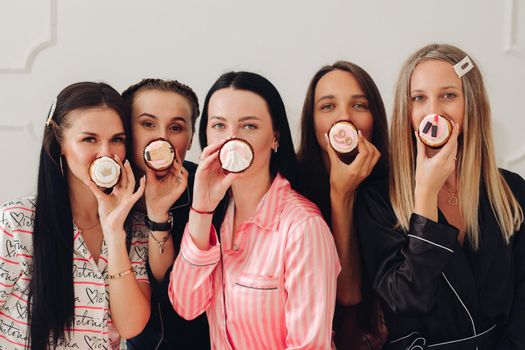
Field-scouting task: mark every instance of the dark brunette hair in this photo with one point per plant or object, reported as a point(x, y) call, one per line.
point(51, 291)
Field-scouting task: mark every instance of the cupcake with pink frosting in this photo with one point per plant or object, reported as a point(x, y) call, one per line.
point(159, 155)
point(435, 130)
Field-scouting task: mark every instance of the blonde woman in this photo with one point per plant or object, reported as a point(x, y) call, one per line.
point(443, 241)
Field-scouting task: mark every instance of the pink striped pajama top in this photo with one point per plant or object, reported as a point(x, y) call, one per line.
point(92, 326)
point(276, 285)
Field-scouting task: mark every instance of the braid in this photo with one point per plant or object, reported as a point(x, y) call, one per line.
point(165, 85)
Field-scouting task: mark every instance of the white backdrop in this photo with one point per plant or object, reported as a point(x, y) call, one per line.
point(48, 44)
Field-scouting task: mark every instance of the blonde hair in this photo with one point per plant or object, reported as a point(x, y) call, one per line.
point(476, 156)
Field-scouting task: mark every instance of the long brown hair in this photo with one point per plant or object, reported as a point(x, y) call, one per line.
point(476, 156)
point(315, 177)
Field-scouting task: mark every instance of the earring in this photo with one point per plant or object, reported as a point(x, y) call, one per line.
point(61, 166)
point(275, 148)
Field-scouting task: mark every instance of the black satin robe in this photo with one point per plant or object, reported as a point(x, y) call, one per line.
point(434, 290)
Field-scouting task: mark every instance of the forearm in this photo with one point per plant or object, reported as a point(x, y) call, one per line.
point(349, 280)
point(129, 302)
point(426, 203)
point(199, 229)
point(191, 288)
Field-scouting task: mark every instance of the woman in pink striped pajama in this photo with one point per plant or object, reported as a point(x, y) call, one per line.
point(269, 282)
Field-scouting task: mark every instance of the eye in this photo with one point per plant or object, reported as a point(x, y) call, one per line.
point(418, 98)
point(176, 128)
point(361, 106)
point(249, 126)
point(118, 139)
point(218, 126)
point(327, 107)
point(148, 124)
point(449, 95)
point(89, 139)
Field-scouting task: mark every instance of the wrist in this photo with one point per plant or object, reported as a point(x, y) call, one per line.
point(158, 216)
point(424, 194)
point(201, 208)
point(155, 224)
point(116, 241)
point(344, 197)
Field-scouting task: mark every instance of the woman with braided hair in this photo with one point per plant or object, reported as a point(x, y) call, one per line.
point(164, 110)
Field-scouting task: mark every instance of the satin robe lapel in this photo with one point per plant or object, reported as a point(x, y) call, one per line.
point(461, 278)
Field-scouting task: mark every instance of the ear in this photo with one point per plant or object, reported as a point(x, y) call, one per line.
point(275, 142)
point(189, 143)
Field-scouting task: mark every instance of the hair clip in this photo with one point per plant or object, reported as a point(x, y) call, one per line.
point(51, 112)
point(463, 67)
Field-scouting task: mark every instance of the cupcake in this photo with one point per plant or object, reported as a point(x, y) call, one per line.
point(343, 136)
point(435, 130)
point(105, 172)
point(159, 155)
point(236, 155)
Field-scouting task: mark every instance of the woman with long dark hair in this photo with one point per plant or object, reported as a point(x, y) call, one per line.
point(345, 92)
point(270, 282)
point(67, 280)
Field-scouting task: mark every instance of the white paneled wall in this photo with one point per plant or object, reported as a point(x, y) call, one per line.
point(48, 44)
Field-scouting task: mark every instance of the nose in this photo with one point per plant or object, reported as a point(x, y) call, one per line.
point(162, 133)
point(434, 106)
point(104, 150)
point(346, 114)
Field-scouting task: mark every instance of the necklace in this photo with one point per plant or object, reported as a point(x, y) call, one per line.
point(452, 197)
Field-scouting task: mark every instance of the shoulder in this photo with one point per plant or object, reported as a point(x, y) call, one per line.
point(299, 211)
point(516, 184)
point(299, 207)
point(513, 180)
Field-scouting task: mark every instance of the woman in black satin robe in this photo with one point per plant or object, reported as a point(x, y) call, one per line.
point(443, 241)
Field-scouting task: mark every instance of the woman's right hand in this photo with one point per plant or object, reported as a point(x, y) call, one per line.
point(431, 173)
point(345, 178)
point(211, 181)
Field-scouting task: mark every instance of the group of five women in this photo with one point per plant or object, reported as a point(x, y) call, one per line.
point(403, 247)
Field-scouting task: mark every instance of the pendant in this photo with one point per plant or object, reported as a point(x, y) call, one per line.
point(453, 200)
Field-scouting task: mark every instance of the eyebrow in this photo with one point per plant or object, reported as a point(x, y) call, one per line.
point(242, 119)
point(441, 88)
point(87, 133)
point(179, 118)
point(249, 117)
point(327, 97)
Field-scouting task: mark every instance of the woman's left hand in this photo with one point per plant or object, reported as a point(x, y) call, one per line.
point(113, 208)
point(345, 178)
point(161, 193)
